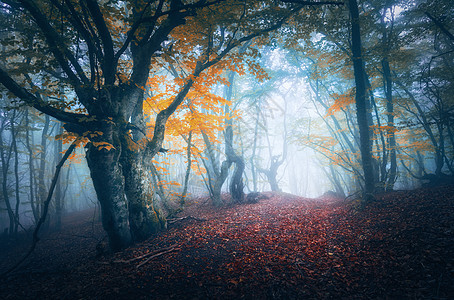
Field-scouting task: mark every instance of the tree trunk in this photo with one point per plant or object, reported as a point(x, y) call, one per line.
point(440, 152)
point(123, 187)
point(390, 114)
point(42, 165)
point(188, 171)
point(5, 159)
point(16, 172)
point(216, 174)
point(109, 184)
point(236, 185)
point(254, 149)
point(144, 218)
point(361, 108)
point(157, 181)
point(271, 174)
point(58, 186)
point(384, 159)
point(31, 163)
point(275, 161)
point(337, 185)
point(219, 182)
point(369, 99)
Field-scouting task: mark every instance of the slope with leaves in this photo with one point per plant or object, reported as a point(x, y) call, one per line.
point(282, 247)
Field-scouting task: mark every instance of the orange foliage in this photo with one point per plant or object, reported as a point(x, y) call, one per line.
point(340, 101)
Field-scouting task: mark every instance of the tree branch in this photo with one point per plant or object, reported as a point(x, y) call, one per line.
point(440, 25)
point(131, 32)
point(187, 8)
point(78, 24)
point(36, 102)
point(108, 64)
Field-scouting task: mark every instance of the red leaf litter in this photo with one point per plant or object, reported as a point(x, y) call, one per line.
point(284, 247)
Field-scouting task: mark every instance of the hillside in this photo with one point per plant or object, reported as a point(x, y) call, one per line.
point(284, 247)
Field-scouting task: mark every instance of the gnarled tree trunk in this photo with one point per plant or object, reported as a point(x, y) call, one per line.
point(144, 218)
point(236, 185)
point(109, 184)
point(123, 187)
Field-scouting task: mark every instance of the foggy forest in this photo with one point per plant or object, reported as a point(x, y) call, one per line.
point(227, 149)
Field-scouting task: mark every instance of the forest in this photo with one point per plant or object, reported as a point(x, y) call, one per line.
point(227, 149)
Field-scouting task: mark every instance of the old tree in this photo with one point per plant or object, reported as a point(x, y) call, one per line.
point(87, 64)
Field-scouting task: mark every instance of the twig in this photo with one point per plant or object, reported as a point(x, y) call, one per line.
point(352, 195)
point(174, 220)
point(152, 254)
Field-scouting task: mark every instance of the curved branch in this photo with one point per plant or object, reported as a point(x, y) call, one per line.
point(36, 102)
point(78, 24)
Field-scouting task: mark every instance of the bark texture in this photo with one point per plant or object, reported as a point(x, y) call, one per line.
point(361, 106)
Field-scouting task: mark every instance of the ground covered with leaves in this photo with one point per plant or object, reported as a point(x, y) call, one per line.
point(283, 247)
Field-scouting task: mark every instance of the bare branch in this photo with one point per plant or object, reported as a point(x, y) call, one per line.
point(135, 26)
point(156, 255)
point(152, 253)
point(440, 25)
point(108, 64)
point(78, 24)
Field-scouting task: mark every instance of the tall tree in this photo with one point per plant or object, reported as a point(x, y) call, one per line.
point(6, 151)
point(361, 108)
point(59, 205)
point(236, 184)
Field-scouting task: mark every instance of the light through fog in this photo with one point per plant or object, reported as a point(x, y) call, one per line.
point(302, 173)
point(226, 149)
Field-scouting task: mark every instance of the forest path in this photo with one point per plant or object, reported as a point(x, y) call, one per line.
point(284, 247)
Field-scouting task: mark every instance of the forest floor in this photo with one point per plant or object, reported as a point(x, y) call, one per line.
point(284, 247)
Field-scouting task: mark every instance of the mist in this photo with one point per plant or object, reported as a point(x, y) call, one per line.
point(227, 149)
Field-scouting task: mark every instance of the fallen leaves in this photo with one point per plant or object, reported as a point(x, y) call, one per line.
point(290, 247)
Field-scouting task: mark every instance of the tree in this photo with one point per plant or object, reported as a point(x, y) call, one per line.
point(236, 184)
point(361, 111)
point(275, 161)
point(6, 153)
